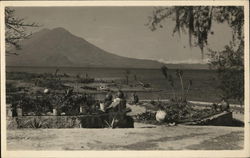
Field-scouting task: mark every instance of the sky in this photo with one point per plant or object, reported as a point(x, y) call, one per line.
point(122, 31)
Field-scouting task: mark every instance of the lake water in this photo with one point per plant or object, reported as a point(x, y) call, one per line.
point(203, 88)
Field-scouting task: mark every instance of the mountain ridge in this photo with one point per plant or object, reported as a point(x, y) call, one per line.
point(59, 48)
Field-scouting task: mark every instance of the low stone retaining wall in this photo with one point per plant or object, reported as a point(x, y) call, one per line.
point(81, 121)
point(43, 122)
point(222, 119)
point(100, 121)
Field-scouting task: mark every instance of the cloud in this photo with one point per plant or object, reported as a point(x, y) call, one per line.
point(187, 61)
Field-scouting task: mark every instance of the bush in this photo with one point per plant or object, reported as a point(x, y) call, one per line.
point(147, 116)
point(10, 88)
point(40, 103)
point(229, 65)
point(36, 123)
point(51, 83)
point(176, 111)
point(37, 104)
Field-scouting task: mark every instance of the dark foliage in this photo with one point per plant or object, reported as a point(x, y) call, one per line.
point(11, 88)
point(177, 112)
point(147, 116)
point(40, 103)
point(51, 83)
point(15, 29)
point(229, 64)
point(197, 20)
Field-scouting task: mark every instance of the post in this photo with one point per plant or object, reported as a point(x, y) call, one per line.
point(54, 112)
point(80, 109)
point(9, 110)
point(19, 110)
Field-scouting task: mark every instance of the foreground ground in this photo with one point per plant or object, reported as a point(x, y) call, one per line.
point(143, 137)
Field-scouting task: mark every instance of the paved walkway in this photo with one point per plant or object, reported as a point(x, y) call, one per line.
point(143, 137)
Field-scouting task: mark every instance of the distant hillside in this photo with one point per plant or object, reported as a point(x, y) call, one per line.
point(187, 66)
point(58, 47)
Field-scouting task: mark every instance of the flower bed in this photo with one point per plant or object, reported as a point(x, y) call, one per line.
point(178, 112)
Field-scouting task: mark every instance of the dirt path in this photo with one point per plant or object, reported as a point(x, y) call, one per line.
point(143, 137)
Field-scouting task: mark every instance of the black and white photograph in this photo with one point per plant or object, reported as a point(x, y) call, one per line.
point(160, 77)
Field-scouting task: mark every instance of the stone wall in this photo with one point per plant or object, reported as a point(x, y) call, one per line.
point(81, 121)
point(43, 122)
point(222, 119)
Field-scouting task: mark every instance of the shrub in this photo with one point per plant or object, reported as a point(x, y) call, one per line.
point(229, 64)
point(176, 111)
point(146, 116)
point(36, 123)
point(10, 88)
point(51, 83)
point(184, 91)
